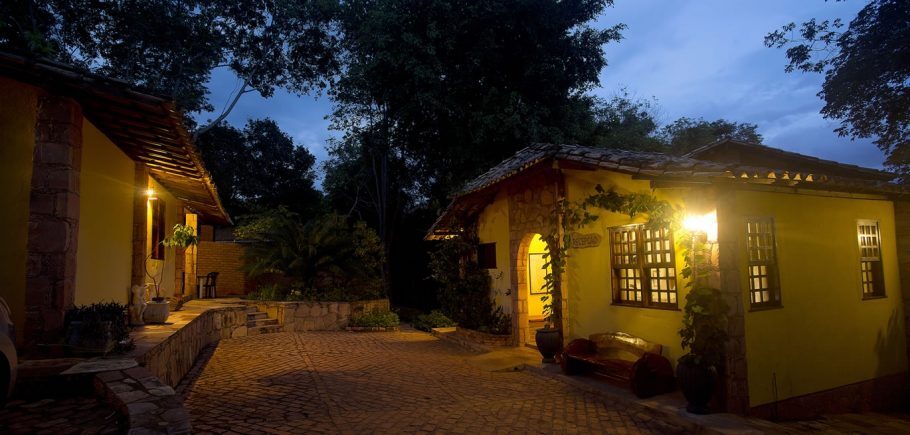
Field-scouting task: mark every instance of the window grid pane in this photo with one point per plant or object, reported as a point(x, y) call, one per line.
point(643, 265)
point(871, 275)
point(762, 270)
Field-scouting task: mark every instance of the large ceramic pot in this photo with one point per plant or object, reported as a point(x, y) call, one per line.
point(156, 312)
point(549, 343)
point(697, 382)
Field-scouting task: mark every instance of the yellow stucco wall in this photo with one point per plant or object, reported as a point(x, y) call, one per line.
point(589, 287)
point(825, 335)
point(18, 112)
point(493, 227)
point(104, 256)
point(172, 206)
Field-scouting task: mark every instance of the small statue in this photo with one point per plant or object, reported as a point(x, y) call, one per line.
point(138, 304)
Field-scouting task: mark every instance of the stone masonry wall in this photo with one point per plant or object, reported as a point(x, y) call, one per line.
point(226, 258)
point(53, 224)
point(530, 204)
point(318, 316)
point(171, 359)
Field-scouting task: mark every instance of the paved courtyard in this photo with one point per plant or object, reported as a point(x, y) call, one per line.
point(340, 382)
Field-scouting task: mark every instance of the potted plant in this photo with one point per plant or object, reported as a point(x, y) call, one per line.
point(704, 332)
point(158, 309)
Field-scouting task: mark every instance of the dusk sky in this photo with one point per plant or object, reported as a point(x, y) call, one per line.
point(701, 58)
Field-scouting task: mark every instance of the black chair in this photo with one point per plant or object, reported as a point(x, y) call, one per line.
point(208, 287)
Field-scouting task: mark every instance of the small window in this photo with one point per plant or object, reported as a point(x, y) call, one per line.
point(764, 283)
point(644, 266)
point(486, 255)
point(158, 229)
point(870, 258)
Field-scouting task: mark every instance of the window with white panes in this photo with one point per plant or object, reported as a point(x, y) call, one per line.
point(764, 284)
point(644, 266)
point(870, 258)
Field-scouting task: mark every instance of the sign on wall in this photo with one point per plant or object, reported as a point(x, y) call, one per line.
point(589, 240)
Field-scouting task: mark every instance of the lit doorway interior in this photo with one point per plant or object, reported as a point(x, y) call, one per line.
point(536, 285)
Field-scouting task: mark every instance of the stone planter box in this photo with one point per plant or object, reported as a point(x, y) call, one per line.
point(482, 338)
point(318, 316)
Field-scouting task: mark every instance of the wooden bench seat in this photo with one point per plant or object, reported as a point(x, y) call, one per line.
point(621, 359)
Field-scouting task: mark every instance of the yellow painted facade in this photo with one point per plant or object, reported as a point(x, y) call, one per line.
point(493, 227)
point(172, 207)
point(104, 255)
point(825, 335)
point(589, 275)
point(18, 113)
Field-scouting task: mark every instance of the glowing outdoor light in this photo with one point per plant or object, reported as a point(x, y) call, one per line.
point(705, 223)
point(151, 194)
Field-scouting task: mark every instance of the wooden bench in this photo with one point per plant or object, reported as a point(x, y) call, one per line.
point(621, 359)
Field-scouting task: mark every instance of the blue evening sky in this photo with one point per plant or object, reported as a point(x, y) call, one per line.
point(700, 58)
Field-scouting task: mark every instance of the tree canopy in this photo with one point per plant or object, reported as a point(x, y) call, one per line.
point(260, 168)
point(171, 47)
point(867, 72)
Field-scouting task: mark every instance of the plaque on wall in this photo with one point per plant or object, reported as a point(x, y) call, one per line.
point(589, 240)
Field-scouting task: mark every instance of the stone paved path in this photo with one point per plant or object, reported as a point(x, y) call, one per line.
point(73, 415)
point(340, 382)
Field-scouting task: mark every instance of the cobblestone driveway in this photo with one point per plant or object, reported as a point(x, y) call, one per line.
point(338, 382)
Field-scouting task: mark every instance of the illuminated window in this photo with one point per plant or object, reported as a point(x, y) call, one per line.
point(158, 229)
point(870, 258)
point(644, 266)
point(764, 284)
point(486, 255)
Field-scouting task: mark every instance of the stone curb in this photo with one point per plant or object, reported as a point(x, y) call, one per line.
point(148, 405)
point(372, 329)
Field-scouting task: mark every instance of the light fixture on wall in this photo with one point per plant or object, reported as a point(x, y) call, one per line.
point(151, 194)
point(704, 223)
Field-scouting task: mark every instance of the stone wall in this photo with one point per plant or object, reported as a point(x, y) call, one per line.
point(53, 223)
point(226, 258)
point(171, 359)
point(482, 338)
point(530, 205)
point(318, 316)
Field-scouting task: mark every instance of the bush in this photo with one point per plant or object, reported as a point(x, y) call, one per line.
point(465, 293)
point(426, 322)
point(376, 319)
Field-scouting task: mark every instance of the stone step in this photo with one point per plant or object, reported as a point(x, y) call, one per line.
point(256, 316)
point(267, 329)
point(261, 322)
point(252, 309)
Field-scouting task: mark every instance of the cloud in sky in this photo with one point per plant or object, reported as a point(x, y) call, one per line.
point(702, 58)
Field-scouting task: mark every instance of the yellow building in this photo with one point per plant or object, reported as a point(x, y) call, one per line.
point(809, 255)
point(93, 175)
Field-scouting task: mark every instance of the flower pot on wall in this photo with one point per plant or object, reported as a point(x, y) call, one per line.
point(697, 382)
point(156, 312)
point(549, 343)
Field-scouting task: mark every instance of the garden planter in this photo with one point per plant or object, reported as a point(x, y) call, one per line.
point(156, 312)
point(90, 337)
point(549, 343)
point(697, 382)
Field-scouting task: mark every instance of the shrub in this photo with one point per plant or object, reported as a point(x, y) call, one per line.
point(376, 319)
point(271, 292)
point(426, 322)
point(465, 293)
point(323, 254)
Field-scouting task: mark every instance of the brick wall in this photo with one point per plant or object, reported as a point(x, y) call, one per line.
point(226, 258)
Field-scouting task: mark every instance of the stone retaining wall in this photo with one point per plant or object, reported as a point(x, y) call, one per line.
point(318, 316)
point(482, 338)
point(171, 359)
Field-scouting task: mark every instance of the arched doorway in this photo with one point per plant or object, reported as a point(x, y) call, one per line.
point(534, 285)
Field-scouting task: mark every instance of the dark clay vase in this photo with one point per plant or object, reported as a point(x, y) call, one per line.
point(697, 382)
point(549, 343)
